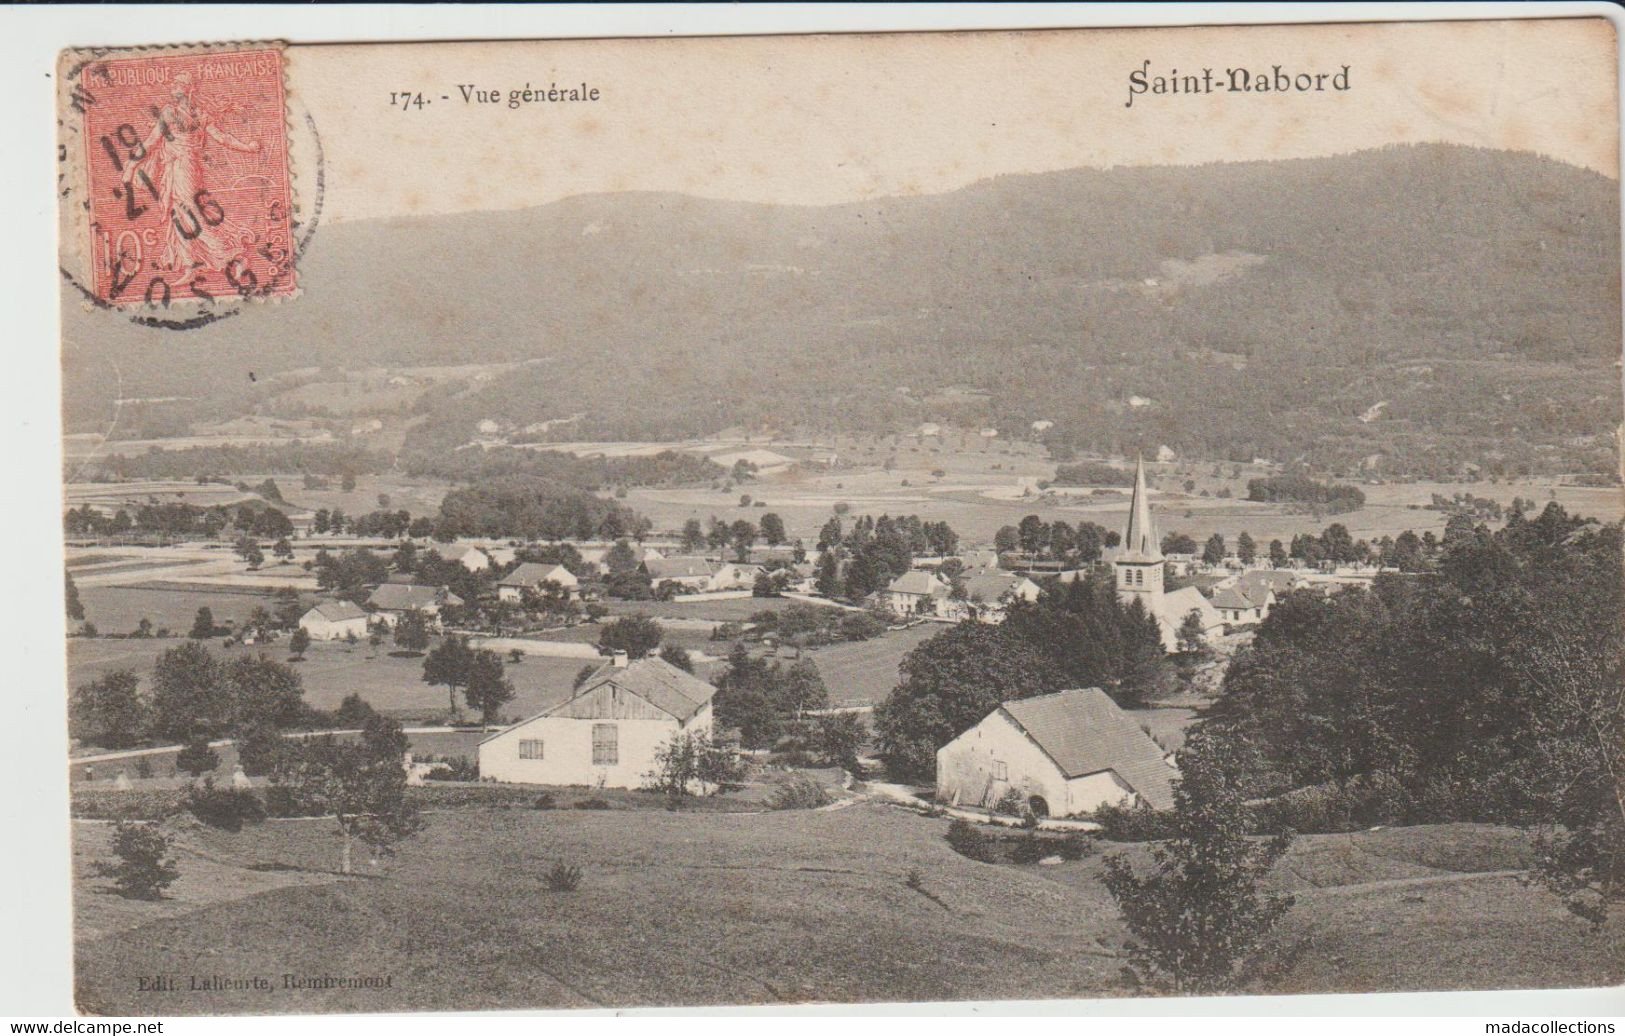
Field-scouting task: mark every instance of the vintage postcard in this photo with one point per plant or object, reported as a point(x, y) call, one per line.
point(815, 519)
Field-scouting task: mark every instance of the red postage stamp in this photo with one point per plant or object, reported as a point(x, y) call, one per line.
point(185, 176)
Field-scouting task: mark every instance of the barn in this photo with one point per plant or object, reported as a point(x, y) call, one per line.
point(1064, 754)
point(606, 733)
point(335, 620)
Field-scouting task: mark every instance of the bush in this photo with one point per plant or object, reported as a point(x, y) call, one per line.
point(283, 801)
point(1011, 803)
point(966, 840)
point(143, 869)
point(226, 808)
point(459, 768)
point(1134, 823)
point(197, 758)
point(799, 792)
point(1029, 849)
point(1076, 846)
point(564, 877)
point(593, 804)
point(544, 801)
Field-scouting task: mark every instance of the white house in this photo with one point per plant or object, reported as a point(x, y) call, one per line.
point(606, 734)
point(733, 576)
point(692, 573)
point(335, 620)
point(1065, 753)
point(533, 576)
point(916, 592)
point(988, 596)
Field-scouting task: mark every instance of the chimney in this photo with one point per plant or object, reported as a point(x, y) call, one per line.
point(620, 660)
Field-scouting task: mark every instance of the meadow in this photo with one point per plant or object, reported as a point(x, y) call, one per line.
point(716, 908)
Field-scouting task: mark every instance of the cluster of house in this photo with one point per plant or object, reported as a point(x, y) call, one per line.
point(1060, 754)
point(984, 594)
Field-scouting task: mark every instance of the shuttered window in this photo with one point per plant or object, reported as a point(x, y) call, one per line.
point(530, 749)
point(605, 747)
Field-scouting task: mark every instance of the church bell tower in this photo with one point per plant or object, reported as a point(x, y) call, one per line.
point(1140, 565)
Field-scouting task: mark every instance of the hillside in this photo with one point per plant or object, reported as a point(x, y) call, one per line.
point(1431, 306)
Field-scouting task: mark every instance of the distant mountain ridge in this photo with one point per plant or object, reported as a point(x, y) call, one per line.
point(1227, 310)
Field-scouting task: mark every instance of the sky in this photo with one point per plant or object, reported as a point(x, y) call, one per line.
point(828, 119)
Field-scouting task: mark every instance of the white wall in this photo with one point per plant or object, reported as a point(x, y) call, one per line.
point(1088, 793)
point(321, 629)
point(966, 767)
point(567, 750)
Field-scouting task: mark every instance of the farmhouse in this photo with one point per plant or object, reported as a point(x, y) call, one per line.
point(731, 576)
point(1140, 566)
point(391, 600)
point(533, 576)
point(916, 592)
point(335, 620)
point(988, 595)
point(1064, 754)
point(692, 573)
point(606, 734)
point(1247, 598)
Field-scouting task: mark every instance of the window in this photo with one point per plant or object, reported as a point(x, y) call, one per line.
point(1001, 772)
point(530, 749)
point(605, 748)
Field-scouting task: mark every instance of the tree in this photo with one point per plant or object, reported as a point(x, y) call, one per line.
point(1213, 550)
point(620, 558)
point(742, 534)
point(1007, 539)
point(412, 631)
point(76, 609)
point(451, 664)
point(677, 656)
point(283, 549)
point(693, 537)
point(827, 580)
point(361, 785)
point(949, 683)
point(1192, 637)
point(838, 738)
point(197, 758)
point(1178, 543)
point(488, 685)
point(1198, 919)
point(202, 624)
point(188, 695)
point(144, 868)
point(1278, 557)
point(637, 635)
point(110, 711)
point(773, 529)
point(1246, 549)
point(299, 643)
point(693, 763)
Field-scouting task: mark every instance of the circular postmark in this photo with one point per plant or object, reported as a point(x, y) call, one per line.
point(177, 181)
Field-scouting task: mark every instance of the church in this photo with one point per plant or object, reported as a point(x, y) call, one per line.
point(1140, 565)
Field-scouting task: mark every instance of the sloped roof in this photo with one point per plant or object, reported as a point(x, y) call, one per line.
point(680, 568)
point(916, 581)
point(532, 573)
point(992, 585)
point(338, 611)
point(1256, 582)
point(459, 551)
point(1176, 604)
point(1233, 597)
point(401, 596)
point(656, 681)
point(1085, 732)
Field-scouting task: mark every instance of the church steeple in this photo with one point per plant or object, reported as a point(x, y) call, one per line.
point(1139, 566)
point(1140, 540)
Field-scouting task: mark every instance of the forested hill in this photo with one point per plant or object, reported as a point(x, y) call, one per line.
point(1436, 305)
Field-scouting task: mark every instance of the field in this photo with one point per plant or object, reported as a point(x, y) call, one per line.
point(864, 671)
point(117, 609)
point(707, 908)
point(332, 671)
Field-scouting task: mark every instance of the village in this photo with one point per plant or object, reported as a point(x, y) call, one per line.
point(1030, 690)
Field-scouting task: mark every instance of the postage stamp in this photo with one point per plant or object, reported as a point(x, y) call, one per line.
point(183, 164)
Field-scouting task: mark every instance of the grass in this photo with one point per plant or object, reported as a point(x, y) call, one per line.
point(690, 908)
point(861, 671)
point(117, 609)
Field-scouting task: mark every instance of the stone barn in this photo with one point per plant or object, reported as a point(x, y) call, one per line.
point(1065, 753)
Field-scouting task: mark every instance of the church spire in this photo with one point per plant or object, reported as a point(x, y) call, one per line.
point(1140, 540)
